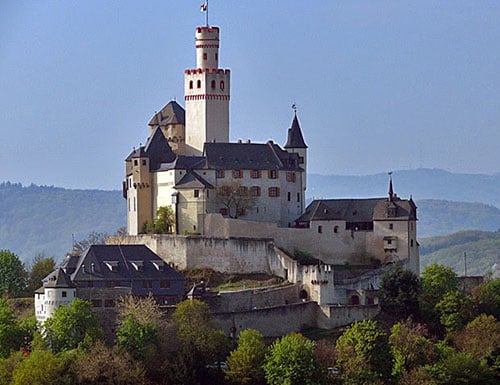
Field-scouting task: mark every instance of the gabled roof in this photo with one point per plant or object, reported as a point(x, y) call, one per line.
point(249, 156)
point(295, 138)
point(193, 180)
point(357, 210)
point(172, 113)
point(182, 162)
point(57, 279)
point(157, 149)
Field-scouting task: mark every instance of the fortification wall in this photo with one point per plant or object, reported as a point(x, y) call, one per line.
point(330, 317)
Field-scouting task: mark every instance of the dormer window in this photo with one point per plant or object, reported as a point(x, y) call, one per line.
point(112, 265)
point(138, 265)
point(159, 265)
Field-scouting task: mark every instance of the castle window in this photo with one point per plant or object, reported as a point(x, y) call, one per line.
point(237, 174)
point(216, 56)
point(320, 229)
point(335, 229)
point(391, 226)
point(205, 56)
point(147, 284)
point(301, 160)
point(290, 176)
point(274, 192)
point(65, 294)
point(135, 162)
point(190, 84)
point(196, 193)
point(243, 191)
point(298, 197)
point(255, 191)
point(222, 85)
point(198, 84)
point(213, 84)
point(144, 162)
point(255, 174)
point(134, 205)
point(411, 243)
point(164, 284)
point(289, 196)
point(219, 174)
point(272, 174)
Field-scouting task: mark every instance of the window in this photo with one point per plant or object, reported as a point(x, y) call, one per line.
point(255, 174)
point(274, 192)
point(411, 243)
point(242, 191)
point(190, 84)
point(237, 174)
point(320, 229)
point(289, 196)
point(222, 85)
point(97, 302)
point(389, 241)
point(290, 176)
point(164, 284)
point(198, 84)
point(65, 294)
point(144, 162)
point(272, 174)
point(109, 303)
point(196, 193)
point(216, 56)
point(301, 160)
point(391, 226)
point(205, 56)
point(255, 191)
point(335, 229)
point(135, 162)
point(219, 174)
point(147, 284)
point(212, 85)
point(298, 197)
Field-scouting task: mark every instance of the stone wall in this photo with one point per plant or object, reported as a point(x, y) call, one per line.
point(335, 316)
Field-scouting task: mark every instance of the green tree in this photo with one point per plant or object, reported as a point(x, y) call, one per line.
point(10, 332)
point(364, 353)
point(399, 293)
point(291, 361)
point(70, 326)
point(245, 362)
point(7, 366)
point(487, 298)
point(410, 347)
point(454, 311)
point(41, 367)
point(137, 338)
point(12, 274)
point(480, 338)
point(39, 269)
point(462, 368)
point(165, 220)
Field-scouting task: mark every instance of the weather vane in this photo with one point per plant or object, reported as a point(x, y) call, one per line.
point(204, 8)
point(294, 107)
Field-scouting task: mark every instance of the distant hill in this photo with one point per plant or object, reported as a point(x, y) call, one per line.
point(38, 219)
point(482, 249)
point(421, 183)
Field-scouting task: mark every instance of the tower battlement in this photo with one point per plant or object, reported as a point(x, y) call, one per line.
point(196, 71)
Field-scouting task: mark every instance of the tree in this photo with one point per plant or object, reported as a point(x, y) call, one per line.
point(165, 220)
point(245, 362)
point(235, 198)
point(454, 311)
point(41, 367)
point(487, 298)
point(291, 361)
point(94, 238)
point(137, 338)
point(364, 353)
point(10, 332)
point(12, 274)
point(399, 293)
point(410, 347)
point(480, 338)
point(463, 368)
point(39, 269)
point(70, 326)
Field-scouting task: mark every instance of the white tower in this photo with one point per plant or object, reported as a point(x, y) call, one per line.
point(206, 91)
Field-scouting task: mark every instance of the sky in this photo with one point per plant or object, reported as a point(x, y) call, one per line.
point(379, 85)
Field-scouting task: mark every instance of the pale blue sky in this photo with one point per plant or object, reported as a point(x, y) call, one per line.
point(380, 85)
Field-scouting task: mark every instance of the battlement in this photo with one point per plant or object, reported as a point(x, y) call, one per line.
point(196, 71)
point(207, 29)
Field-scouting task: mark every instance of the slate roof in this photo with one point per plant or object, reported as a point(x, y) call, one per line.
point(156, 149)
point(57, 279)
point(358, 210)
point(172, 113)
point(182, 162)
point(295, 138)
point(249, 156)
point(193, 180)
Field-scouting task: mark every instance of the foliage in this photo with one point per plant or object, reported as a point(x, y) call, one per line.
point(410, 347)
point(235, 197)
point(41, 367)
point(487, 298)
point(399, 293)
point(104, 365)
point(7, 366)
point(41, 266)
point(480, 338)
point(463, 368)
point(12, 274)
point(94, 238)
point(136, 338)
point(165, 220)
point(72, 325)
point(245, 363)
point(364, 353)
point(291, 361)
point(195, 329)
point(10, 332)
point(454, 311)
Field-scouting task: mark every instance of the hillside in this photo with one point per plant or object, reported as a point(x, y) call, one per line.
point(481, 247)
point(38, 219)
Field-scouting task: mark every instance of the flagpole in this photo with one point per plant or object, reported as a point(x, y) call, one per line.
point(207, 14)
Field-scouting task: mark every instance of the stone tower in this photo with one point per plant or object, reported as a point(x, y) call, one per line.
point(206, 94)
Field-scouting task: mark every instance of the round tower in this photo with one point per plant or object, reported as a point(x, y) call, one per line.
point(206, 90)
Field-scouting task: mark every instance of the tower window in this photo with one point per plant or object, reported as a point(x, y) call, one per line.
point(301, 160)
point(196, 193)
point(320, 229)
point(205, 56)
point(190, 84)
point(213, 84)
point(391, 226)
point(216, 56)
point(290, 176)
point(335, 229)
point(298, 197)
point(144, 162)
point(135, 162)
point(289, 196)
point(222, 85)
point(198, 84)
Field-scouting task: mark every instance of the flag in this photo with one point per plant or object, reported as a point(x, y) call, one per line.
point(203, 7)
